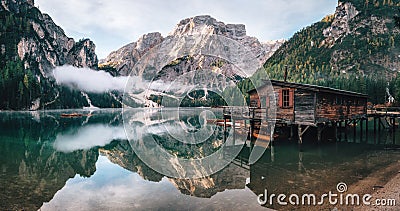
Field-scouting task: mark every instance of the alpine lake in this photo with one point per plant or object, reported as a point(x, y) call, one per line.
point(53, 161)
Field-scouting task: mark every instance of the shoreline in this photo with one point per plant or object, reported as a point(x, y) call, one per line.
point(382, 184)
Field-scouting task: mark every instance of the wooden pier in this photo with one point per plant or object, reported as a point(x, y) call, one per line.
point(252, 121)
point(305, 106)
point(300, 108)
point(256, 129)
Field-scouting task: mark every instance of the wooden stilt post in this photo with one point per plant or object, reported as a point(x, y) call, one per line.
point(391, 124)
point(225, 124)
point(354, 130)
point(394, 131)
point(374, 129)
point(272, 153)
point(345, 130)
point(361, 129)
point(394, 124)
point(251, 130)
point(300, 134)
point(335, 131)
point(319, 133)
point(340, 130)
point(234, 130)
point(291, 132)
point(225, 130)
point(366, 128)
point(252, 123)
point(271, 134)
point(379, 124)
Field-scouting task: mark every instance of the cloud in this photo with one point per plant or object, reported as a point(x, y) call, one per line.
point(93, 81)
point(89, 80)
point(111, 24)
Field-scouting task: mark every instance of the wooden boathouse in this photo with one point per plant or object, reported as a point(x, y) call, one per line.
point(304, 106)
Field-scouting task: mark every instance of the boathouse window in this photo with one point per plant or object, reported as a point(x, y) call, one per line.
point(263, 102)
point(339, 100)
point(286, 98)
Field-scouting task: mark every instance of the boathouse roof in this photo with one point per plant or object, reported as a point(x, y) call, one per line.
point(314, 88)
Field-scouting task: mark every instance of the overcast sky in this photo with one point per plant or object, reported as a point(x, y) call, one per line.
point(112, 24)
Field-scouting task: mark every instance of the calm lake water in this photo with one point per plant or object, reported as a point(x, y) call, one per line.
point(86, 163)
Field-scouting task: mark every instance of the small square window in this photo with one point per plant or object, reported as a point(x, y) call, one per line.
point(285, 98)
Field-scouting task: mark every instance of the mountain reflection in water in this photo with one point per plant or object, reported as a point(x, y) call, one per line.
point(85, 163)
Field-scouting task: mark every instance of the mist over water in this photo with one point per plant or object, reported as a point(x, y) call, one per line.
point(88, 80)
point(98, 81)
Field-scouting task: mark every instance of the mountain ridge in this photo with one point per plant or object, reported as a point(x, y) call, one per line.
point(124, 58)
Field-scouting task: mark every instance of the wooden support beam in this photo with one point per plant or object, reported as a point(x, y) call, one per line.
point(271, 133)
point(301, 131)
point(394, 125)
point(272, 153)
point(361, 129)
point(354, 130)
point(366, 129)
point(335, 131)
point(379, 124)
point(345, 130)
point(374, 130)
point(394, 131)
point(305, 129)
point(319, 133)
point(234, 130)
point(291, 132)
point(225, 124)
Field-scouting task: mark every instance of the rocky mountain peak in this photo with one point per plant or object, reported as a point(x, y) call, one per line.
point(16, 5)
point(148, 41)
point(345, 12)
point(206, 24)
point(83, 54)
point(124, 59)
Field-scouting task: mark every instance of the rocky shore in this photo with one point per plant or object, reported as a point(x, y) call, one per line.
point(387, 192)
point(384, 186)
